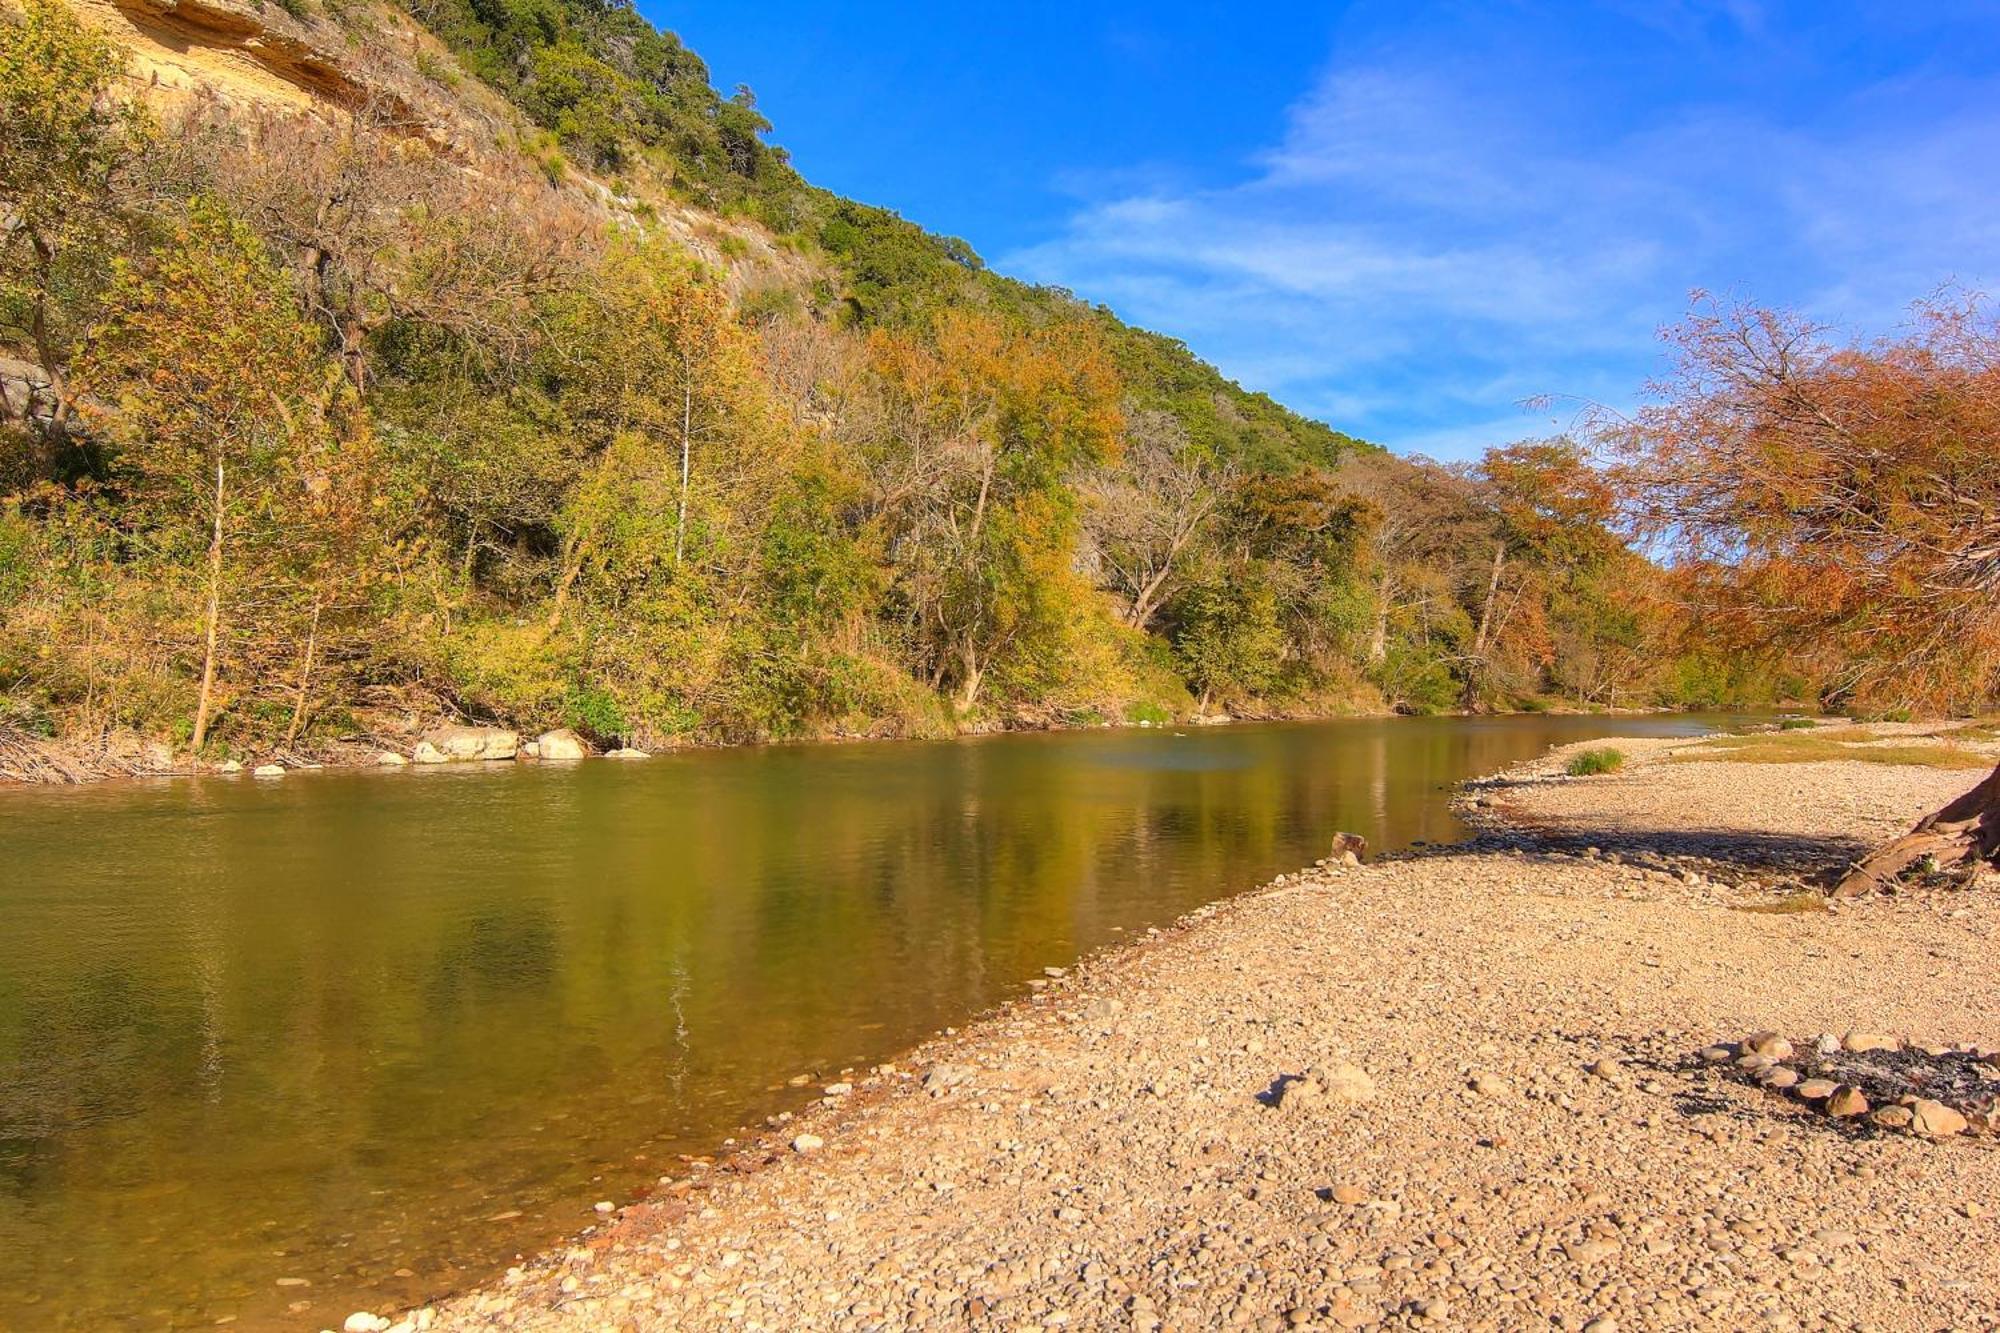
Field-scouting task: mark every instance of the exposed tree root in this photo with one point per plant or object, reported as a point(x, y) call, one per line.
point(1962, 835)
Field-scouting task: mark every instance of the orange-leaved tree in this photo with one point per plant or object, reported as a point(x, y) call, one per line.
point(1841, 502)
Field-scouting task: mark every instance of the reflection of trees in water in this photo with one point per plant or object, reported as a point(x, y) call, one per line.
point(514, 949)
point(100, 1049)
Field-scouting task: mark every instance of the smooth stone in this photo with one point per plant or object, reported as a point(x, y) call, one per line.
point(361, 1321)
point(1846, 1101)
point(229, 766)
point(1869, 1041)
point(1607, 1069)
point(268, 771)
point(626, 752)
point(1933, 1119)
point(561, 744)
point(390, 759)
point(1768, 1043)
point(1778, 1076)
point(808, 1143)
point(426, 753)
point(1892, 1117)
point(1815, 1089)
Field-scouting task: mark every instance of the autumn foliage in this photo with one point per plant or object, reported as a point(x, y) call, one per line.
point(1836, 502)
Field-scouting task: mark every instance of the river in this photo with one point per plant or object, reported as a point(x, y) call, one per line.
point(272, 1051)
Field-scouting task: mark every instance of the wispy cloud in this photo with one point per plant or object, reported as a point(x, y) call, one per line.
point(1440, 233)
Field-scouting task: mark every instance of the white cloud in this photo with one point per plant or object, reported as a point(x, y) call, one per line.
point(1426, 245)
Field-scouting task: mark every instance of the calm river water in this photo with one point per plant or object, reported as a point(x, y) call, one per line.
point(377, 1032)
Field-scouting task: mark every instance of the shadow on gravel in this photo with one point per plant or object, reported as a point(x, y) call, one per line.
point(1680, 849)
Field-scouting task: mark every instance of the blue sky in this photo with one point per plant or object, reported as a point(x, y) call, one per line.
point(1408, 218)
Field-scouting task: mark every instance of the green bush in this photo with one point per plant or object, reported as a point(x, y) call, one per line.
point(1797, 724)
point(1589, 763)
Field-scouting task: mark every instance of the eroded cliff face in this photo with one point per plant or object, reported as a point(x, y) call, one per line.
point(252, 57)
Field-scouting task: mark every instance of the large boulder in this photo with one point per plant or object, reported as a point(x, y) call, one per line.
point(426, 753)
point(467, 742)
point(562, 744)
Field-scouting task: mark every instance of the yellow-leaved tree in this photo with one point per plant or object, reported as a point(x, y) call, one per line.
point(235, 442)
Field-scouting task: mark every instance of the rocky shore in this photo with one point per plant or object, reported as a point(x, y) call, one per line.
point(1504, 1085)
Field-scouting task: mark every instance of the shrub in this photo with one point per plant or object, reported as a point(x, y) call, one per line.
point(1797, 724)
point(1588, 763)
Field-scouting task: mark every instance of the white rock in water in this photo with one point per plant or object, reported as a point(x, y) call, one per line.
point(390, 759)
point(529, 750)
point(229, 766)
point(426, 753)
point(268, 771)
point(561, 744)
point(469, 742)
point(626, 752)
point(363, 1322)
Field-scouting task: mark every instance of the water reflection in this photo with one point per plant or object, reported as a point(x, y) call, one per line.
point(349, 1026)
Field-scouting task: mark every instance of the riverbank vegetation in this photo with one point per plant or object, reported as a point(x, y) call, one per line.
point(319, 426)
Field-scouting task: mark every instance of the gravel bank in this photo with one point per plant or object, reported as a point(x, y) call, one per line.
point(1134, 1146)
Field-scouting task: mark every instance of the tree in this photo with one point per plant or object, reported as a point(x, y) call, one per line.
point(65, 144)
point(1841, 501)
point(1551, 508)
point(985, 427)
point(221, 404)
point(1145, 511)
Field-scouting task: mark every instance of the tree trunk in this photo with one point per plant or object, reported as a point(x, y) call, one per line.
point(1479, 640)
point(214, 617)
point(687, 449)
point(1962, 834)
point(974, 673)
point(305, 678)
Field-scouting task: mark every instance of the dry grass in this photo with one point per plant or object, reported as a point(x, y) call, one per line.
point(1855, 744)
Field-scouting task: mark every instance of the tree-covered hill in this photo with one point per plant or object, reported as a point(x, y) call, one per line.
point(329, 413)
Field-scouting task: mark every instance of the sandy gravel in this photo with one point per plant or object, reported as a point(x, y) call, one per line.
point(1126, 1148)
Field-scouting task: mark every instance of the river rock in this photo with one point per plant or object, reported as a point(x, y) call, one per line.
point(363, 1322)
point(1344, 1082)
point(390, 759)
point(626, 752)
point(1891, 1117)
point(1768, 1043)
point(268, 771)
point(1846, 1101)
point(229, 766)
point(808, 1143)
point(1869, 1041)
point(426, 753)
point(1933, 1119)
point(562, 744)
point(1817, 1089)
point(471, 742)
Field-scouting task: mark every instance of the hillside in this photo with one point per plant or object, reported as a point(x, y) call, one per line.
point(367, 365)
